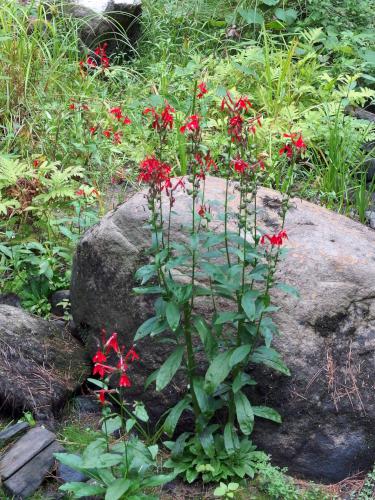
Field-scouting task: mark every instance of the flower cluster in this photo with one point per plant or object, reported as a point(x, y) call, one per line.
point(117, 113)
point(296, 144)
point(238, 124)
point(202, 90)
point(100, 60)
point(162, 120)
point(155, 173)
point(191, 125)
point(103, 369)
point(274, 239)
point(241, 166)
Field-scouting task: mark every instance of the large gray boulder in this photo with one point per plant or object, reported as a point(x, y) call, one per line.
point(328, 335)
point(41, 365)
point(116, 22)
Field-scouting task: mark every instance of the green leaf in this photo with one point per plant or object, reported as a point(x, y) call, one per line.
point(244, 412)
point(241, 380)
point(152, 326)
point(151, 378)
point(191, 475)
point(270, 2)
point(154, 449)
point(206, 439)
point(159, 480)
point(69, 459)
point(269, 357)
point(239, 354)
point(174, 416)
point(173, 315)
point(206, 336)
point(117, 489)
point(251, 16)
point(248, 304)
point(230, 438)
point(266, 412)
point(201, 395)
point(111, 425)
point(145, 290)
point(130, 423)
point(218, 371)
point(82, 489)
point(141, 412)
point(288, 16)
point(228, 317)
point(169, 368)
point(288, 289)
point(145, 273)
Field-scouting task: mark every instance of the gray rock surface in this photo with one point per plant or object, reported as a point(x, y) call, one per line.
point(113, 21)
point(40, 364)
point(328, 335)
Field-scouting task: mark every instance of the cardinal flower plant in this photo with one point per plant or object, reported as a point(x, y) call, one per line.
point(237, 263)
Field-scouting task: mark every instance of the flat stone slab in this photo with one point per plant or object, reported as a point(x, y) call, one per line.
point(25, 449)
point(26, 480)
point(11, 432)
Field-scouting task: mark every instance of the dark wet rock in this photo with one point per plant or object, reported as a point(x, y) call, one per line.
point(10, 299)
point(66, 474)
point(328, 335)
point(116, 22)
point(41, 365)
point(60, 302)
point(86, 404)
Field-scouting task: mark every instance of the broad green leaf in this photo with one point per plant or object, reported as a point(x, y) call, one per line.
point(251, 16)
point(206, 335)
point(230, 438)
point(82, 489)
point(269, 357)
point(218, 371)
point(117, 489)
point(248, 304)
point(207, 441)
point(158, 480)
point(130, 423)
point(174, 416)
point(288, 289)
point(241, 380)
point(201, 395)
point(69, 459)
point(266, 412)
point(154, 449)
point(169, 368)
point(228, 317)
point(244, 412)
point(288, 16)
point(141, 412)
point(173, 315)
point(111, 425)
point(239, 354)
point(152, 326)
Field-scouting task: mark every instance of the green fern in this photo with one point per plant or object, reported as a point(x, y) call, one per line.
point(11, 169)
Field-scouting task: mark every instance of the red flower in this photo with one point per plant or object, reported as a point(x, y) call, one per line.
point(287, 149)
point(102, 394)
point(116, 112)
point(80, 192)
point(101, 369)
point(121, 365)
point(274, 239)
point(85, 107)
point(127, 121)
point(124, 381)
point(99, 357)
point(240, 165)
point(94, 192)
point(167, 117)
point(192, 124)
point(107, 133)
point(202, 211)
point(131, 354)
point(117, 137)
point(155, 173)
point(203, 90)
point(36, 163)
point(243, 103)
point(91, 63)
point(112, 344)
point(72, 106)
point(235, 127)
point(299, 144)
point(93, 130)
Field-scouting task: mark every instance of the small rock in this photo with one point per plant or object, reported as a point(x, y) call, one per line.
point(67, 475)
point(58, 300)
point(10, 299)
point(370, 215)
point(369, 165)
point(86, 404)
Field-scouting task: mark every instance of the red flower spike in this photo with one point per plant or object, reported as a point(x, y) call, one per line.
point(299, 144)
point(117, 137)
point(287, 149)
point(274, 239)
point(116, 112)
point(101, 370)
point(107, 133)
point(93, 130)
point(127, 121)
point(155, 173)
point(36, 163)
point(99, 357)
point(202, 211)
point(243, 103)
point(72, 106)
point(102, 394)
